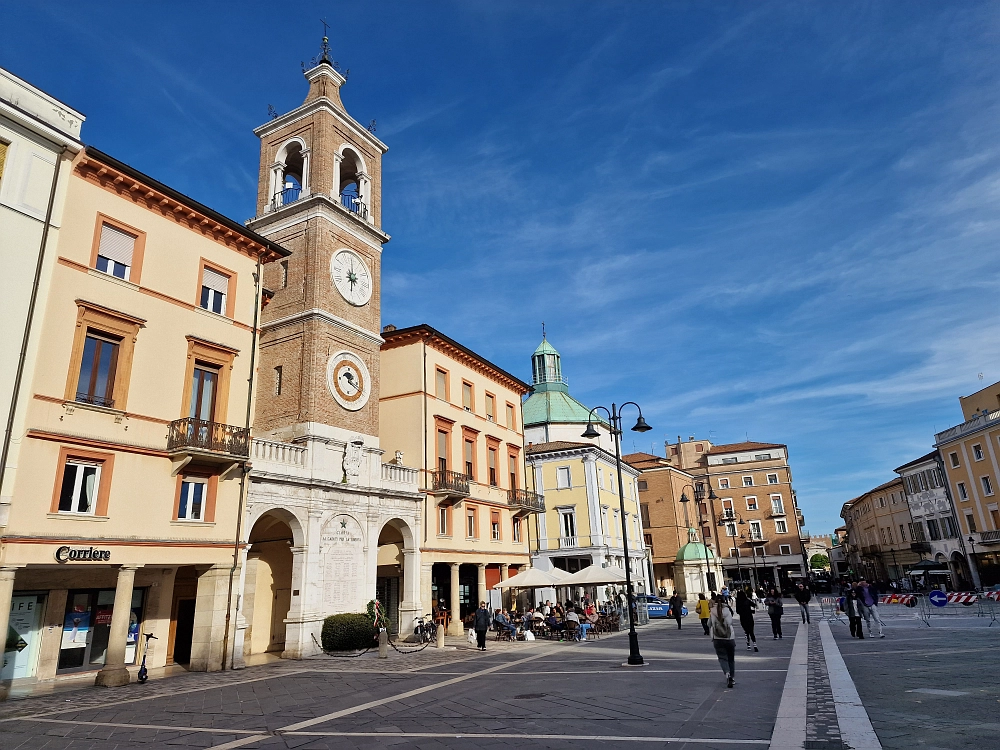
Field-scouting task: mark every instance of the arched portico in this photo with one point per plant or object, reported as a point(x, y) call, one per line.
point(397, 574)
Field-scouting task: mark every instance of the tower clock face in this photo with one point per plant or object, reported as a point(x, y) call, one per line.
point(351, 277)
point(348, 380)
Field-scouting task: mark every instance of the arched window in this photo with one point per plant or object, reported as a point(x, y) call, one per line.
point(290, 174)
point(353, 187)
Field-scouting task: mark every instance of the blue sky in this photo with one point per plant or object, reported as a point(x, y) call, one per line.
point(767, 220)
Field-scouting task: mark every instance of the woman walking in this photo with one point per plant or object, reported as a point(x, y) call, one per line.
point(677, 608)
point(744, 610)
point(774, 610)
point(704, 612)
point(852, 608)
point(481, 623)
point(724, 638)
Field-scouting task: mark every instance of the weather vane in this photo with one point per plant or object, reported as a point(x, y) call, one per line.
point(324, 53)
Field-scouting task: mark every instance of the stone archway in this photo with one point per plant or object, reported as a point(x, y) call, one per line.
point(268, 582)
point(397, 578)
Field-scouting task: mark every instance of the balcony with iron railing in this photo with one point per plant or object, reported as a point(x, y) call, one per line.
point(355, 205)
point(285, 196)
point(93, 400)
point(449, 485)
point(208, 440)
point(525, 500)
point(989, 537)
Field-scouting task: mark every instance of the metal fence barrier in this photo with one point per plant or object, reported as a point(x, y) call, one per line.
point(829, 608)
point(959, 606)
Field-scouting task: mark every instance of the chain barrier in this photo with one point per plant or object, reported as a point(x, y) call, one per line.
point(337, 654)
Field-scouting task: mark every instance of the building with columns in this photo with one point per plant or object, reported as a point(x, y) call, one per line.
point(458, 416)
point(122, 514)
point(329, 525)
point(582, 523)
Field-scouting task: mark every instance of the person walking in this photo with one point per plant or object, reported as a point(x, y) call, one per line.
point(724, 638)
point(677, 608)
point(868, 602)
point(852, 608)
point(774, 610)
point(744, 610)
point(704, 612)
point(802, 596)
point(481, 623)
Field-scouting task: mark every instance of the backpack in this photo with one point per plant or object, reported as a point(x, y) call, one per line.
point(720, 630)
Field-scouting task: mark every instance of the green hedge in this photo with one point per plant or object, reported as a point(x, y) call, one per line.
point(348, 632)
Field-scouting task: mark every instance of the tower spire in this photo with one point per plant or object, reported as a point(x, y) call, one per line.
point(325, 46)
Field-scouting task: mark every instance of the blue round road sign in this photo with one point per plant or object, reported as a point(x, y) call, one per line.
point(938, 598)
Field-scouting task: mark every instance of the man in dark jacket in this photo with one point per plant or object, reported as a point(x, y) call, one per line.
point(677, 608)
point(481, 623)
point(802, 596)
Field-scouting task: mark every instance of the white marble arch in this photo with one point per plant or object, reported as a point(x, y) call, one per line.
point(409, 600)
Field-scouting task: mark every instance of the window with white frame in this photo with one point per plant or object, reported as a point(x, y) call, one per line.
point(748, 481)
point(762, 457)
point(772, 478)
point(785, 549)
point(442, 520)
point(751, 502)
point(987, 485)
point(114, 252)
point(963, 493)
point(214, 288)
point(562, 478)
point(759, 551)
point(470, 523)
point(80, 483)
point(495, 525)
point(616, 529)
point(777, 505)
point(730, 460)
point(953, 457)
point(194, 494)
point(604, 520)
point(755, 530)
point(724, 483)
point(977, 452)
point(516, 530)
point(730, 529)
point(781, 526)
point(567, 524)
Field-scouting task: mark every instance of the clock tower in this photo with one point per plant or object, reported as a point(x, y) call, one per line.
point(319, 195)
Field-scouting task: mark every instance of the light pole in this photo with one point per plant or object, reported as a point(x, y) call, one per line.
point(615, 419)
point(972, 562)
point(699, 495)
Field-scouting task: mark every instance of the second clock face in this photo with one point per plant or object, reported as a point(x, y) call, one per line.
point(348, 380)
point(351, 277)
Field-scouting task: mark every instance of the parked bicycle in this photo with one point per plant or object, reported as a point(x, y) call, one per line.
point(423, 629)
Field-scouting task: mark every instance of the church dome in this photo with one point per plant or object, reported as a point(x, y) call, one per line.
point(694, 551)
point(550, 402)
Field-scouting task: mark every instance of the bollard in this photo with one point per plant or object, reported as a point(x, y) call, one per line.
point(440, 637)
point(383, 644)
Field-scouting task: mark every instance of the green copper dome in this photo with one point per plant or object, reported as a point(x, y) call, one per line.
point(694, 551)
point(550, 401)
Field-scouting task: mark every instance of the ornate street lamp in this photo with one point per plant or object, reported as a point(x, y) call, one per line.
point(615, 421)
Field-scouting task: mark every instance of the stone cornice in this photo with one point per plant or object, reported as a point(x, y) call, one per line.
point(320, 105)
point(322, 206)
point(327, 317)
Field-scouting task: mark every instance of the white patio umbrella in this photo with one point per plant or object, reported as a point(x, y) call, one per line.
point(532, 578)
point(594, 575)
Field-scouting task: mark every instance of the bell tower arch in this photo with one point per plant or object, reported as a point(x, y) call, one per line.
point(319, 195)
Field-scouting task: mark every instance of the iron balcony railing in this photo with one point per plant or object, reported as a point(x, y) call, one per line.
point(354, 204)
point(197, 434)
point(284, 197)
point(919, 547)
point(526, 500)
point(989, 537)
point(451, 481)
point(90, 398)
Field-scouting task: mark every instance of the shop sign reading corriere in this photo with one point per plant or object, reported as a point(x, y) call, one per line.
point(82, 554)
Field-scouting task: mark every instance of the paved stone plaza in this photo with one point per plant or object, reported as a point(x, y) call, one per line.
point(794, 693)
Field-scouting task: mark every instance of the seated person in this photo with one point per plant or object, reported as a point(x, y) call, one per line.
point(554, 624)
point(573, 616)
point(504, 623)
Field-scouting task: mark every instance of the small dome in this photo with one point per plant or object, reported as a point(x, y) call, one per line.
point(694, 551)
point(546, 348)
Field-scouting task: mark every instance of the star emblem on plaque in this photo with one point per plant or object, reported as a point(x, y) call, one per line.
point(348, 380)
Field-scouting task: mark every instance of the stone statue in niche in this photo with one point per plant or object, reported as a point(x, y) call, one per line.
point(352, 460)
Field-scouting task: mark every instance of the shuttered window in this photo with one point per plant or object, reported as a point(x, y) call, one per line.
point(214, 287)
point(114, 254)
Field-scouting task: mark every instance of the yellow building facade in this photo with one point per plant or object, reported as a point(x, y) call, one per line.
point(457, 416)
point(123, 514)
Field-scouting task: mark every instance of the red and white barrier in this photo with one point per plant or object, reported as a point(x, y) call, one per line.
point(962, 598)
point(896, 598)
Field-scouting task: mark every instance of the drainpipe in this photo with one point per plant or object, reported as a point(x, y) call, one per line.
point(423, 427)
point(246, 469)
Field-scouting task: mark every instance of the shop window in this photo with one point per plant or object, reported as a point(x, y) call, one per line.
point(87, 629)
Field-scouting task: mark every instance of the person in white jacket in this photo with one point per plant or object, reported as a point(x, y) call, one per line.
point(724, 638)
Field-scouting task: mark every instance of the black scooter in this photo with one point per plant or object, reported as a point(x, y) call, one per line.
point(143, 672)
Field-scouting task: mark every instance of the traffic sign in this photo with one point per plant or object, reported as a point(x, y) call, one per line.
point(938, 598)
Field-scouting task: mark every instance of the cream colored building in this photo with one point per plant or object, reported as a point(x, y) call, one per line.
point(123, 514)
point(582, 524)
point(970, 454)
point(39, 137)
point(458, 416)
point(880, 533)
